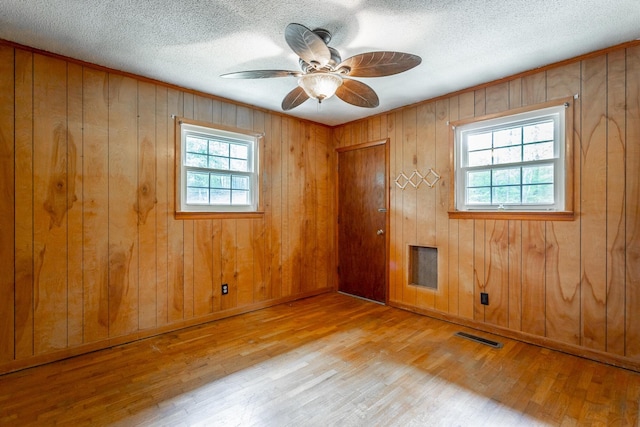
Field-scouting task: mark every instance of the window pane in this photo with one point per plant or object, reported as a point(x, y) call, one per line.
point(537, 174)
point(506, 195)
point(220, 197)
point(240, 197)
point(479, 196)
point(197, 160)
point(479, 158)
point(218, 148)
point(220, 181)
point(218, 162)
point(197, 179)
point(504, 138)
point(540, 151)
point(239, 151)
point(506, 176)
point(479, 141)
point(507, 155)
point(238, 165)
point(196, 145)
point(241, 182)
point(197, 196)
point(537, 194)
point(479, 179)
point(538, 132)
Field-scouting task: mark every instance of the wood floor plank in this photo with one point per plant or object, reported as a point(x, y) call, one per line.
point(326, 360)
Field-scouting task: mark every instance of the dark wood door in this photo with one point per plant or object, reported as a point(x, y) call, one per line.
point(362, 218)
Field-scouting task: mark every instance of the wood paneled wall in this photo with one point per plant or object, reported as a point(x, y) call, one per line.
point(90, 252)
point(575, 283)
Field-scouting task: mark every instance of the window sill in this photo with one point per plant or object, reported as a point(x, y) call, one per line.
point(218, 215)
point(505, 215)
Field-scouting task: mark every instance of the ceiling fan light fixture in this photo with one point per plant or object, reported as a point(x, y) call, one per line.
point(320, 86)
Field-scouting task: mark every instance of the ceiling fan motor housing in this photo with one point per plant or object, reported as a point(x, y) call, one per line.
point(330, 66)
point(325, 35)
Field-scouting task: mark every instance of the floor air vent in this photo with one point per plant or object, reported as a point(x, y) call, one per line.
point(481, 340)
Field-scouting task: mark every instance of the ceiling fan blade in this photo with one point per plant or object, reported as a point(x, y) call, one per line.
point(357, 93)
point(294, 98)
point(261, 74)
point(307, 45)
point(378, 64)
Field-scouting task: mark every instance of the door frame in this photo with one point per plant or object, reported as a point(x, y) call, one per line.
point(387, 198)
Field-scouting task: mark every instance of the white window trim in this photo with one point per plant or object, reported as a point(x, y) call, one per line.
point(185, 127)
point(563, 164)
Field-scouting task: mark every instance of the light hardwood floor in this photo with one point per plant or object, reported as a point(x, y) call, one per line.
point(326, 360)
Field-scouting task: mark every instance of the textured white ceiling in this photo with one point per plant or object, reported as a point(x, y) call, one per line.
point(191, 42)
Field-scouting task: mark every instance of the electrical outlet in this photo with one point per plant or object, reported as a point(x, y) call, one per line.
point(225, 289)
point(484, 298)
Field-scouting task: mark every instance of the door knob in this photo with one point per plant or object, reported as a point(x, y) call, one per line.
point(380, 232)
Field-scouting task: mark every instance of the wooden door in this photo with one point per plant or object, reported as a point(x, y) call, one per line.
point(362, 221)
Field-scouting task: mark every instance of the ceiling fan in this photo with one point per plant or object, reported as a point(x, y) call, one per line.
point(324, 73)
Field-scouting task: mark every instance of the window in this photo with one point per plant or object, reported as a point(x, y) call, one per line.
point(519, 162)
point(218, 170)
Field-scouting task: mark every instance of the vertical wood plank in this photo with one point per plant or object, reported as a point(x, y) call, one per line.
point(216, 250)
point(24, 261)
point(262, 124)
point(258, 248)
point(533, 277)
point(515, 93)
point(294, 210)
point(203, 268)
point(324, 231)
point(616, 207)
point(163, 206)
point(395, 250)
point(123, 219)
point(310, 208)
point(7, 203)
point(409, 199)
point(594, 202)
point(479, 102)
point(442, 167)
point(75, 301)
point(515, 275)
point(145, 207)
point(562, 263)
point(497, 272)
point(175, 228)
point(425, 159)
point(228, 242)
point(95, 235)
point(632, 214)
point(479, 278)
point(286, 260)
point(534, 88)
point(51, 180)
point(497, 98)
point(425, 196)
point(273, 205)
point(453, 224)
point(244, 262)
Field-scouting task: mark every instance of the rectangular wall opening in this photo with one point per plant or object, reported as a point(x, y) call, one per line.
point(423, 266)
